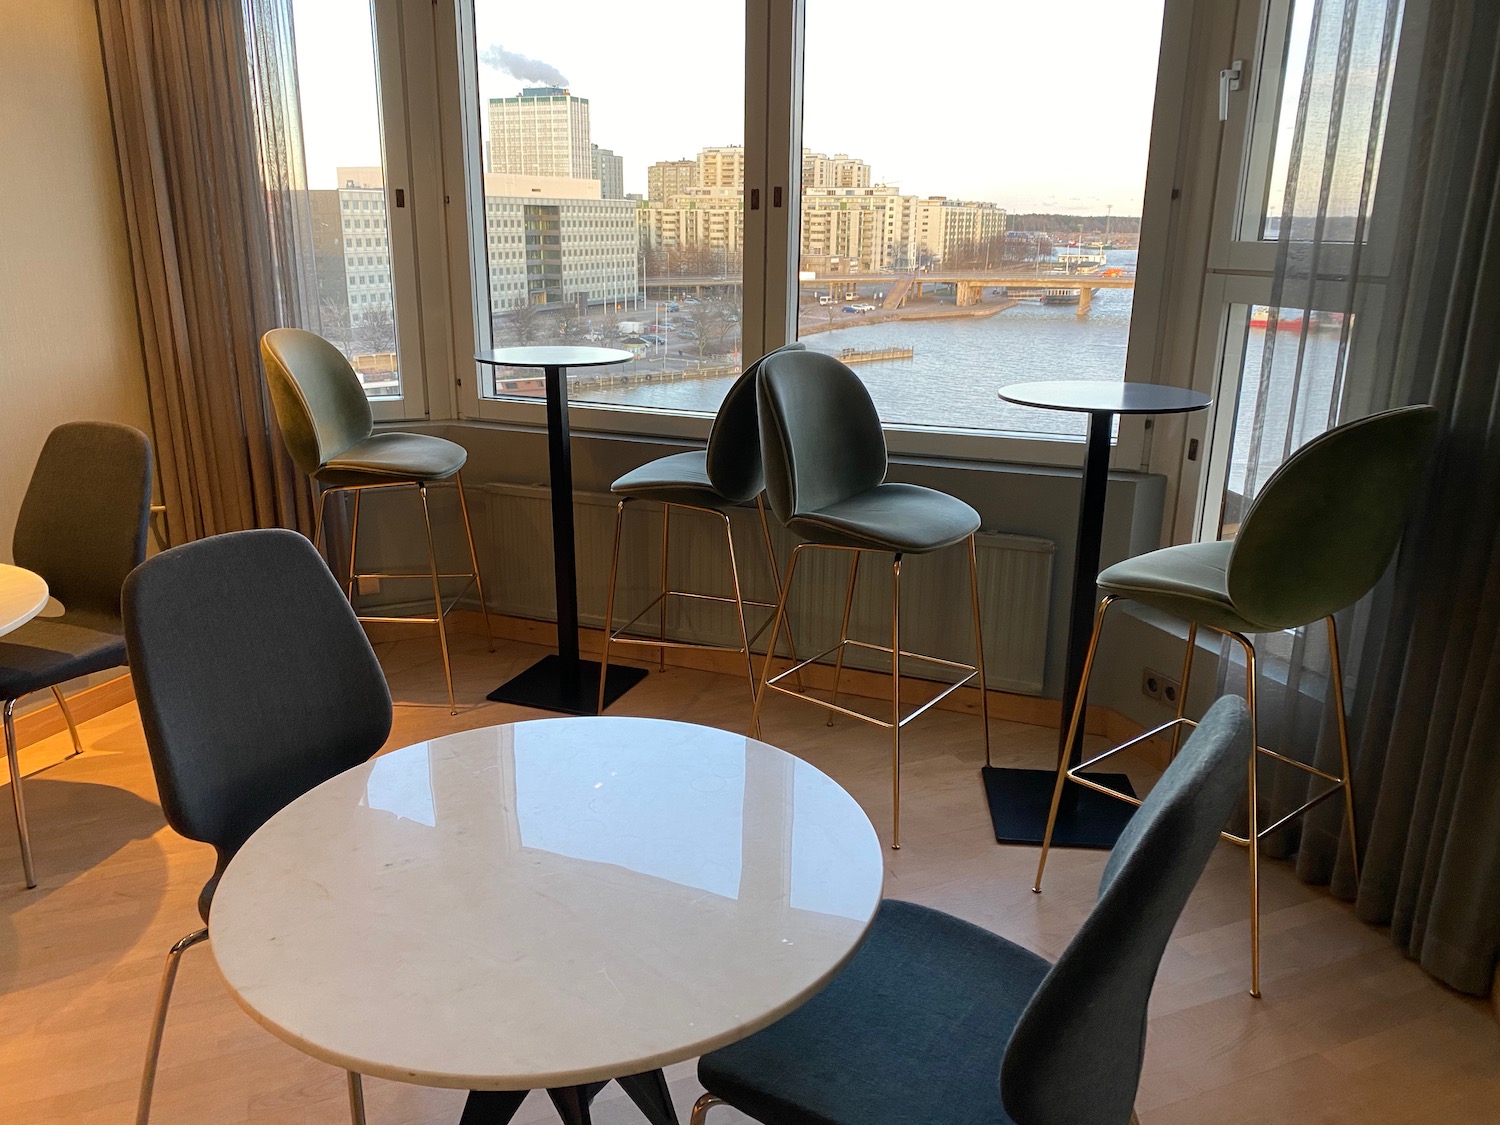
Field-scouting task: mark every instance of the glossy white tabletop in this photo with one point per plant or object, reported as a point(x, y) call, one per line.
point(23, 595)
point(547, 903)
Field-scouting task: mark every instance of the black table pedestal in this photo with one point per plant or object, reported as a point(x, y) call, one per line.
point(564, 682)
point(1019, 799)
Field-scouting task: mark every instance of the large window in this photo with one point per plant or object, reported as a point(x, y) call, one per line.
point(355, 244)
point(613, 169)
point(972, 200)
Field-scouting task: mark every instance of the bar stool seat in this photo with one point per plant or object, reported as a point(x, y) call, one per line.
point(1190, 581)
point(905, 518)
point(681, 478)
point(394, 458)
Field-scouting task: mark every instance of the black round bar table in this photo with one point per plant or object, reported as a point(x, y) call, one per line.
point(1019, 798)
point(562, 682)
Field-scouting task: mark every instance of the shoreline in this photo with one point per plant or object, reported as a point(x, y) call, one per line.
point(942, 312)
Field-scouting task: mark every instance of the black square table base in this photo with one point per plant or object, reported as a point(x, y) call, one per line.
point(1019, 800)
point(545, 687)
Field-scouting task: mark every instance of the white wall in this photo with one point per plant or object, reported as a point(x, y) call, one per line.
point(69, 346)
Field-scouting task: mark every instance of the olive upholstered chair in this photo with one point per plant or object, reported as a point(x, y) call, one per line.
point(935, 1020)
point(329, 430)
point(712, 481)
point(1317, 537)
point(255, 684)
point(82, 527)
point(825, 464)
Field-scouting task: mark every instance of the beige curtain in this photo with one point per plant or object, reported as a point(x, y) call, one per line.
point(210, 276)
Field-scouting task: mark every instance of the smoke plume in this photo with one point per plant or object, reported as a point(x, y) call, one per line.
point(519, 66)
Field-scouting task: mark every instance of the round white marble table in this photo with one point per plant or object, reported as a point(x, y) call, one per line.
point(547, 904)
point(23, 595)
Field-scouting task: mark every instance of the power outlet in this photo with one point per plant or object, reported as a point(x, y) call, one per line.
point(1161, 688)
point(369, 584)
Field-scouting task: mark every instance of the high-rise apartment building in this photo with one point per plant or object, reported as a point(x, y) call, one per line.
point(695, 218)
point(542, 131)
point(609, 170)
point(837, 171)
point(722, 167)
point(943, 228)
point(667, 178)
point(367, 242)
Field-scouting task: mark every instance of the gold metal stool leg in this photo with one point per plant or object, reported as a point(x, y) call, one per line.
point(356, 1098)
point(609, 603)
point(781, 605)
point(437, 598)
point(701, 1108)
point(1251, 798)
point(739, 605)
point(895, 702)
point(984, 691)
point(666, 540)
point(353, 543)
point(765, 530)
point(67, 713)
point(838, 661)
point(1182, 693)
point(1336, 674)
point(1073, 727)
point(484, 606)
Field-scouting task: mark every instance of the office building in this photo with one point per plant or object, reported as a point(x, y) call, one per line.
point(542, 131)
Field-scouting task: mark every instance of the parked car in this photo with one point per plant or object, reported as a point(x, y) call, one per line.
point(673, 306)
point(864, 308)
point(687, 334)
point(653, 338)
point(851, 308)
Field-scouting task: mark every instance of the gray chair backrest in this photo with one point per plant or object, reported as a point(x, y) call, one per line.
point(254, 680)
point(319, 401)
point(820, 434)
point(735, 468)
point(1325, 525)
point(82, 524)
point(1075, 1055)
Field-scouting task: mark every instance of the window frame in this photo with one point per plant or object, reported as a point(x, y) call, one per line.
point(774, 58)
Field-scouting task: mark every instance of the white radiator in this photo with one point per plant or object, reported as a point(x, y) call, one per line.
point(1015, 579)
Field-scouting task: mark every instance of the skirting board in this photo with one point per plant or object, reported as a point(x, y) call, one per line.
point(1011, 707)
point(90, 703)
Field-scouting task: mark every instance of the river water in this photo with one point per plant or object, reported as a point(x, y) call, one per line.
point(958, 365)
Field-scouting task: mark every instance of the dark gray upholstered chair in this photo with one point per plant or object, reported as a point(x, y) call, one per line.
point(713, 481)
point(82, 527)
point(329, 430)
point(825, 462)
point(255, 684)
point(937, 1021)
point(1316, 539)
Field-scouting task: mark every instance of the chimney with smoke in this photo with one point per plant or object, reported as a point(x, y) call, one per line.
point(519, 66)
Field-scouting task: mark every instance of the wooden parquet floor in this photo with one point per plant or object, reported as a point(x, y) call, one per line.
point(1348, 1031)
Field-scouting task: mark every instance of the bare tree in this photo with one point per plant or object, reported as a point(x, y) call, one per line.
point(375, 331)
point(717, 326)
point(525, 321)
point(334, 323)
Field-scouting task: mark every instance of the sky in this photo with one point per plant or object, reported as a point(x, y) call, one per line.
point(1034, 106)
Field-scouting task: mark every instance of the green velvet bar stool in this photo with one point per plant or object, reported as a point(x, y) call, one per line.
point(1316, 539)
point(329, 430)
point(711, 481)
point(825, 464)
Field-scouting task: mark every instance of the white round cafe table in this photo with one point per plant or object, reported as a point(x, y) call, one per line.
point(546, 904)
point(23, 595)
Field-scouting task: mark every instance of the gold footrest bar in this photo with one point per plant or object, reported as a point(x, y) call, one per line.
point(619, 637)
point(425, 576)
point(378, 620)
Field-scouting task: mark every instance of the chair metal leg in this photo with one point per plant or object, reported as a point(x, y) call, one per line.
point(437, 598)
point(67, 712)
point(1073, 727)
point(1182, 693)
point(781, 604)
point(739, 605)
point(159, 1021)
point(317, 534)
point(765, 530)
point(356, 1098)
point(609, 603)
point(666, 540)
point(838, 661)
point(702, 1106)
point(984, 691)
point(896, 702)
point(484, 606)
point(1251, 799)
point(17, 797)
point(1336, 674)
point(353, 543)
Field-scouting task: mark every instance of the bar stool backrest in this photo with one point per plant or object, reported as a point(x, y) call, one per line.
point(735, 467)
point(1326, 523)
point(319, 401)
point(820, 434)
point(1075, 1055)
point(82, 523)
point(254, 679)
